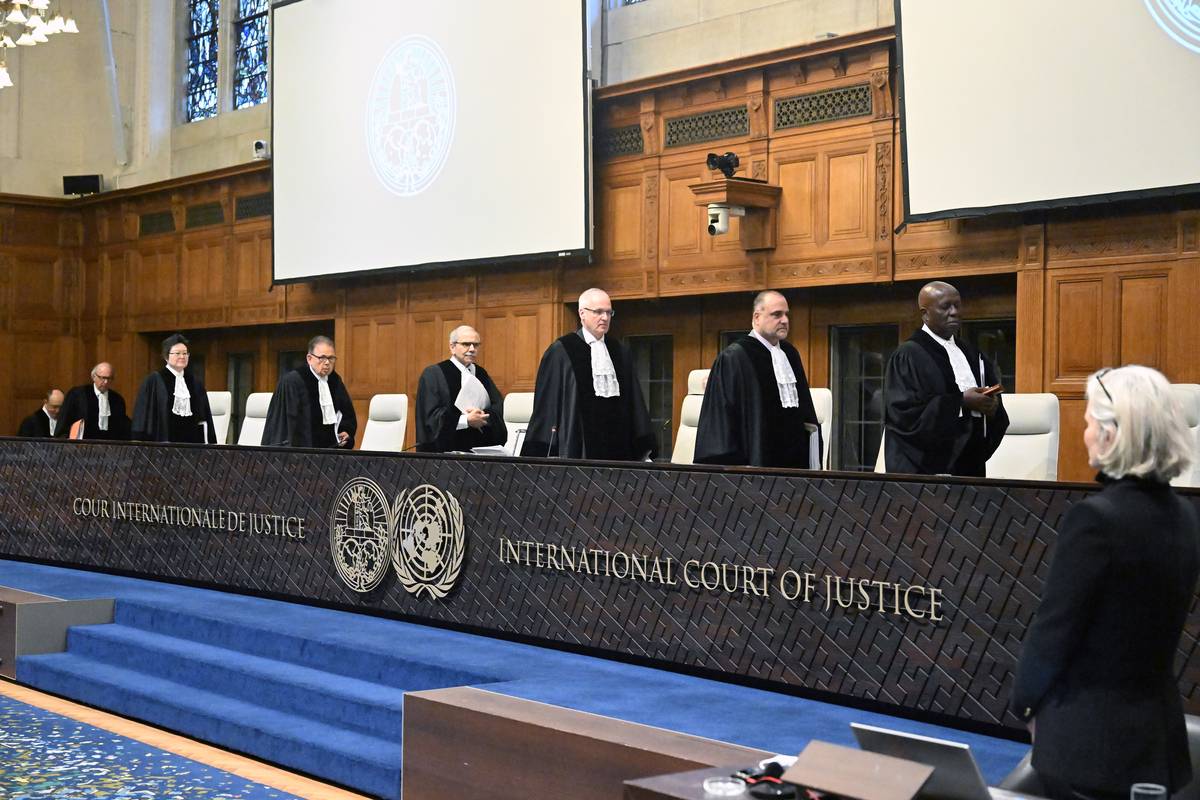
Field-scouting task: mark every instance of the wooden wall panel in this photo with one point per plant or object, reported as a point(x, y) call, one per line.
point(1076, 339)
point(796, 172)
point(1143, 320)
point(847, 188)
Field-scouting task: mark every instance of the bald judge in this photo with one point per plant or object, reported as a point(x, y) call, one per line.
point(939, 420)
point(587, 402)
point(458, 405)
point(757, 407)
point(43, 422)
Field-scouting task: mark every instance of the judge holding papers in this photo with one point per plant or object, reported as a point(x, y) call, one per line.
point(171, 404)
point(311, 407)
point(587, 402)
point(458, 405)
point(757, 408)
point(94, 411)
point(943, 414)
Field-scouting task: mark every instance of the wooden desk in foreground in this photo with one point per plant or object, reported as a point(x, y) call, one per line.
point(914, 594)
point(465, 742)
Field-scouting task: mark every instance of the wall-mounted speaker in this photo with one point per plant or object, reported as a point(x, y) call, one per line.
point(81, 184)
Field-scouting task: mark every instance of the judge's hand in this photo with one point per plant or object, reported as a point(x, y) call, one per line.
point(343, 438)
point(476, 418)
point(975, 400)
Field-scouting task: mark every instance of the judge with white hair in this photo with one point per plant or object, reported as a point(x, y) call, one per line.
point(458, 404)
point(587, 402)
point(1096, 680)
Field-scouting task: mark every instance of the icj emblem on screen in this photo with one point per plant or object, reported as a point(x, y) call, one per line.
point(1179, 18)
point(421, 535)
point(411, 108)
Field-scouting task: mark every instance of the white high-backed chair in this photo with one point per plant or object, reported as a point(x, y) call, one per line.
point(518, 410)
point(689, 418)
point(823, 403)
point(221, 405)
point(1029, 450)
point(255, 419)
point(387, 420)
point(1188, 395)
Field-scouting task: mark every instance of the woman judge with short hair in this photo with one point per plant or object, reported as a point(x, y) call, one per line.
point(1096, 682)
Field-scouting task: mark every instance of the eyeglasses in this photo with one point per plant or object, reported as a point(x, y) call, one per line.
point(468, 345)
point(179, 353)
point(1100, 375)
point(602, 312)
point(104, 377)
point(324, 359)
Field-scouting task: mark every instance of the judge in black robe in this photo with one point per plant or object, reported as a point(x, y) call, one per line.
point(82, 403)
point(569, 419)
point(294, 417)
point(743, 420)
point(930, 425)
point(156, 412)
point(37, 424)
point(442, 425)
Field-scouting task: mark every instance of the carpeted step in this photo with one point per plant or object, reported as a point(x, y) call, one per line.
point(351, 758)
point(318, 649)
point(364, 706)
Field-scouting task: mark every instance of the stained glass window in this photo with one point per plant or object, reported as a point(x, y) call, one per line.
point(250, 35)
point(201, 59)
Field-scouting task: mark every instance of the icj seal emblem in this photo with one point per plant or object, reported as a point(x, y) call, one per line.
point(360, 534)
point(410, 115)
point(1179, 18)
point(428, 540)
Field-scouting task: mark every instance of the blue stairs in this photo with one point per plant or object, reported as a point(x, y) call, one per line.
point(316, 706)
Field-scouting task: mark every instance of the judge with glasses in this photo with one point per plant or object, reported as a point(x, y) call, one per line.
point(311, 407)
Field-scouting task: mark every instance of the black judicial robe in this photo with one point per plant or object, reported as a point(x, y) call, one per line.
point(35, 426)
point(925, 434)
point(569, 420)
point(81, 403)
point(153, 420)
point(294, 416)
point(437, 416)
point(741, 420)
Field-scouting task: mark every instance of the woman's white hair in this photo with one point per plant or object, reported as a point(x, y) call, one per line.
point(1144, 434)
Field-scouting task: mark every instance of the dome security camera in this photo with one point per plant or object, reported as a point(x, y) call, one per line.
point(718, 217)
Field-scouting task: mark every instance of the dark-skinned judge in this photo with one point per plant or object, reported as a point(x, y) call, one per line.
point(757, 408)
point(43, 423)
point(458, 405)
point(172, 405)
point(938, 420)
point(587, 402)
point(99, 409)
point(311, 407)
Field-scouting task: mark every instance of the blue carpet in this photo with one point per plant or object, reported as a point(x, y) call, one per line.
point(376, 658)
point(46, 755)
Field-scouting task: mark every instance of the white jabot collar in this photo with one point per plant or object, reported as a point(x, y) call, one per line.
point(604, 374)
point(324, 398)
point(104, 410)
point(785, 376)
point(467, 368)
point(182, 402)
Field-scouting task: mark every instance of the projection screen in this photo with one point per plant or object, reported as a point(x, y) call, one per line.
point(1036, 104)
point(425, 134)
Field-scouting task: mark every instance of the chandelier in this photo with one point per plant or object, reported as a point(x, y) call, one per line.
point(27, 23)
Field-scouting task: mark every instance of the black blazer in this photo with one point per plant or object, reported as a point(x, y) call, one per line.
point(1097, 669)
